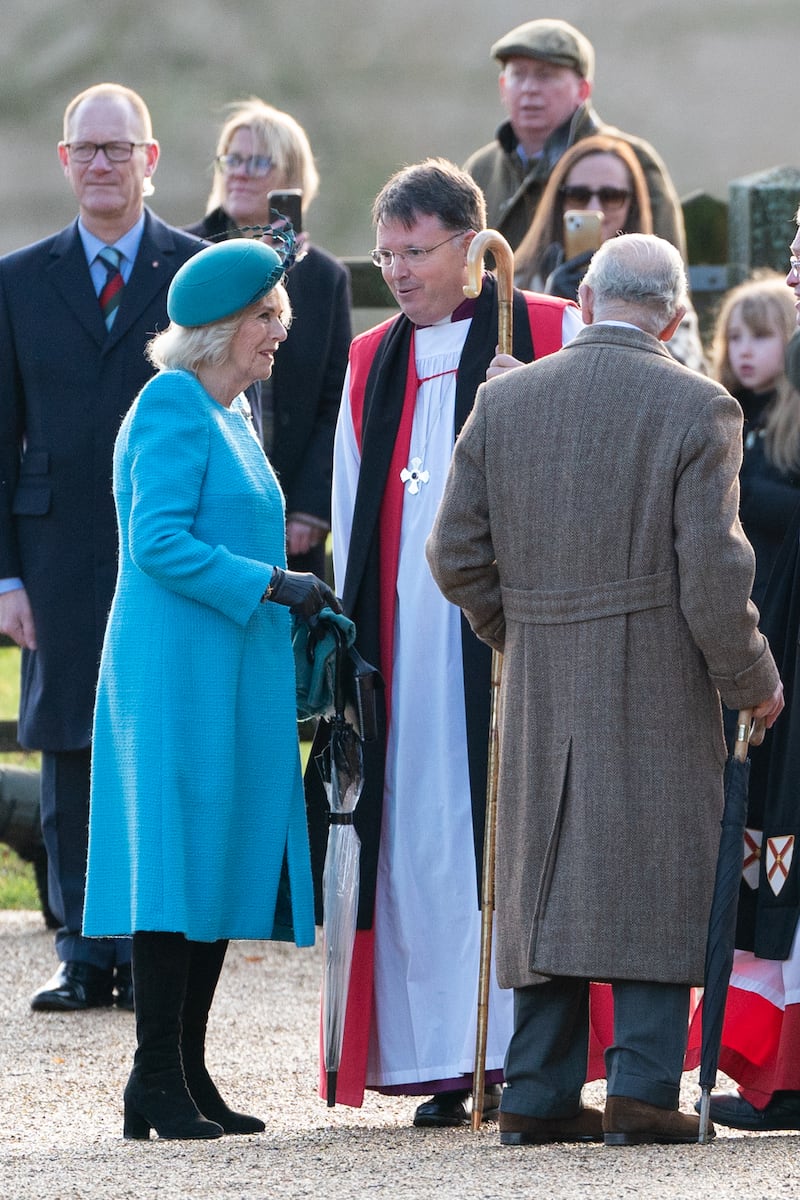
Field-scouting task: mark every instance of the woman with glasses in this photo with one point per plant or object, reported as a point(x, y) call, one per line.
point(600, 174)
point(260, 150)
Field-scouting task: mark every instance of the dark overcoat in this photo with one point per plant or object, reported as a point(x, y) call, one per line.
point(589, 530)
point(65, 385)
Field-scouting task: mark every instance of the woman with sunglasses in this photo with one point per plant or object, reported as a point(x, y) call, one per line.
point(602, 174)
point(596, 174)
point(261, 150)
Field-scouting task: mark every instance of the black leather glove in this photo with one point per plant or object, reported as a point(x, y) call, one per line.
point(566, 278)
point(301, 592)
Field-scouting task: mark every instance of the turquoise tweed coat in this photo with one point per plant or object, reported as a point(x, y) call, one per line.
point(196, 785)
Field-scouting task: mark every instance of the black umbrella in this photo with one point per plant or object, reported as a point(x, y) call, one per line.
point(722, 921)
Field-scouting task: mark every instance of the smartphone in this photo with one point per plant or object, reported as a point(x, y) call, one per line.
point(289, 203)
point(583, 230)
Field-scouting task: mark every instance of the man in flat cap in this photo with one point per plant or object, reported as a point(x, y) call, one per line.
point(545, 87)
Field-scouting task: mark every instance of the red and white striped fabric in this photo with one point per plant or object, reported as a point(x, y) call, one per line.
point(761, 1033)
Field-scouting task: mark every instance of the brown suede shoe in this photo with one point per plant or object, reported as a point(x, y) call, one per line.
point(628, 1122)
point(518, 1130)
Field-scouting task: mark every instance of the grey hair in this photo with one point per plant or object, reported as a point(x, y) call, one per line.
point(639, 271)
point(179, 348)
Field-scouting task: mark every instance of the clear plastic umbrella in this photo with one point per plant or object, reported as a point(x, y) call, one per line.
point(341, 765)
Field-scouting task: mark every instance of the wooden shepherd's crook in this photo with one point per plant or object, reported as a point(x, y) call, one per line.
point(489, 239)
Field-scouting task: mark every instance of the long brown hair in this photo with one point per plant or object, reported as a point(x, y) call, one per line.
point(767, 306)
point(548, 223)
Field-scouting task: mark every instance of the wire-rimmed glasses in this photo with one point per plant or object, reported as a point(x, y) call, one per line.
point(254, 165)
point(413, 255)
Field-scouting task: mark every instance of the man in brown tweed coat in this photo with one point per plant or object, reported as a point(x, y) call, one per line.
point(589, 531)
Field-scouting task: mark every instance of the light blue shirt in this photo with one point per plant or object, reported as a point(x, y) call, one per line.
point(128, 246)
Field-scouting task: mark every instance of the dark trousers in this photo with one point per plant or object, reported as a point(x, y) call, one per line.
point(545, 1065)
point(65, 829)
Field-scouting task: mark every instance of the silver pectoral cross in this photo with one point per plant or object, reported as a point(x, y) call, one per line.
point(414, 476)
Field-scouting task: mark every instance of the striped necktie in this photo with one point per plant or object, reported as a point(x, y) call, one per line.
point(111, 291)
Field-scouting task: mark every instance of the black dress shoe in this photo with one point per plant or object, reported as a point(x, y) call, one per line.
point(74, 986)
point(782, 1112)
point(447, 1110)
point(123, 987)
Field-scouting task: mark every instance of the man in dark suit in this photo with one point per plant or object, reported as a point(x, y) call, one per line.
point(73, 326)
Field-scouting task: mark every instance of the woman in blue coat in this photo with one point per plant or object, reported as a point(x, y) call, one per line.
point(197, 798)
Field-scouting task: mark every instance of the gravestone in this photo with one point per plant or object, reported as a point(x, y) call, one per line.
point(761, 221)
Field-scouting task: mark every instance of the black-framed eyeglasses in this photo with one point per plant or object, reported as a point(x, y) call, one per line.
point(254, 165)
point(413, 255)
point(578, 196)
point(116, 152)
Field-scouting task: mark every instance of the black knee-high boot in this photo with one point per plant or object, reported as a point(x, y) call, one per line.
point(156, 1096)
point(205, 965)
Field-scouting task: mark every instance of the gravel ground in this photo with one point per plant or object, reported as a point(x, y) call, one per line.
point(62, 1075)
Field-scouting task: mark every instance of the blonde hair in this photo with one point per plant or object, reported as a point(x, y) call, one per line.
point(766, 306)
point(179, 348)
point(547, 225)
point(276, 134)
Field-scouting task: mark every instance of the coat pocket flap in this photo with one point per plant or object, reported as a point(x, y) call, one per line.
point(32, 501)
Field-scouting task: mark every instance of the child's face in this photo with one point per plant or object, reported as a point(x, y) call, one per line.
point(756, 358)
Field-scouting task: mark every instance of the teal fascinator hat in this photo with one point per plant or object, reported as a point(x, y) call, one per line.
point(222, 280)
